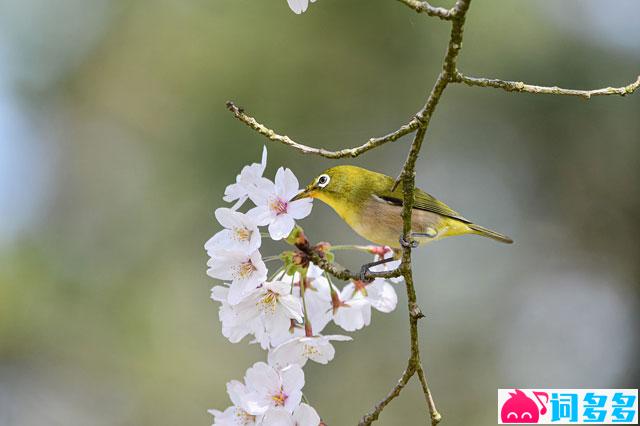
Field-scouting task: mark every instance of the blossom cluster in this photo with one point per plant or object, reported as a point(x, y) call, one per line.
point(286, 312)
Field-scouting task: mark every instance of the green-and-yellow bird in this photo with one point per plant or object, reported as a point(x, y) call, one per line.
point(367, 202)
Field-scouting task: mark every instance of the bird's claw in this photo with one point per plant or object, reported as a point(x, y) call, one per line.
point(363, 274)
point(408, 244)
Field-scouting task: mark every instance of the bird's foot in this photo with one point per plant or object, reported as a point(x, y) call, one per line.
point(364, 271)
point(408, 244)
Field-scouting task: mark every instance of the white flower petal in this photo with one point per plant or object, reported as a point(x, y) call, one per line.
point(261, 378)
point(306, 415)
point(227, 217)
point(338, 338)
point(277, 417)
point(300, 209)
point(287, 353)
point(325, 353)
point(287, 185)
point(352, 317)
point(233, 192)
point(277, 323)
point(298, 6)
point(280, 287)
point(220, 293)
point(263, 162)
point(262, 215)
point(293, 400)
point(237, 392)
point(261, 191)
point(292, 379)
point(382, 296)
point(281, 227)
point(292, 307)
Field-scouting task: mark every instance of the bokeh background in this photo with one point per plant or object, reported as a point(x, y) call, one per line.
point(115, 148)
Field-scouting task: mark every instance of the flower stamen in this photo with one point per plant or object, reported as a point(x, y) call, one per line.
point(267, 303)
point(309, 351)
point(279, 398)
point(279, 206)
point(244, 418)
point(244, 269)
point(242, 234)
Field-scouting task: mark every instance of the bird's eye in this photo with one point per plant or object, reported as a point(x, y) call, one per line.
point(323, 181)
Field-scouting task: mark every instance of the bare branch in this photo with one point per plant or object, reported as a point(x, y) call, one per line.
point(372, 416)
point(239, 113)
point(425, 7)
point(433, 411)
point(518, 86)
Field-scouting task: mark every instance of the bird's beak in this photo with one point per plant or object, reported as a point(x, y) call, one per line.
point(305, 193)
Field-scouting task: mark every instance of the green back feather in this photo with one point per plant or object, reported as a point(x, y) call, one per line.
point(423, 201)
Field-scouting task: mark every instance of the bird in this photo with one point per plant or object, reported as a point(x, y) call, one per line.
point(368, 202)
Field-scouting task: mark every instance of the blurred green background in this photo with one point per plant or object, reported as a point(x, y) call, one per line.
point(115, 148)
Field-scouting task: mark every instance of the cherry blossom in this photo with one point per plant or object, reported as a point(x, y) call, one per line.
point(241, 233)
point(298, 350)
point(237, 414)
point(304, 415)
point(246, 271)
point(379, 293)
point(233, 416)
point(352, 314)
point(273, 388)
point(273, 205)
point(274, 305)
point(299, 6)
point(248, 179)
point(235, 326)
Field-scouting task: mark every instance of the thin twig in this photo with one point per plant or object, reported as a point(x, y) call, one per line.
point(425, 7)
point(239, 113)
point(518, 86)
point(342, 273)
point(433, 412)
point(369, 418)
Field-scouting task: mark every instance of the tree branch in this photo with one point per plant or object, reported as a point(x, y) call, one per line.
point(342, 273)
point(425, 7)
point(369, 418)
point(408, 176)
point(419, 124)
point(433, 412)
point(518, 86)
point(318, 255)
point(239, 113)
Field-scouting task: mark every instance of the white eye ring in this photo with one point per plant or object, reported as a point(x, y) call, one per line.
point(323, 180)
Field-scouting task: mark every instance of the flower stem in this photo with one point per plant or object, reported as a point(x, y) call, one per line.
point(270, 258)
point(355, 247)
point(308, 331)
point(275, 274)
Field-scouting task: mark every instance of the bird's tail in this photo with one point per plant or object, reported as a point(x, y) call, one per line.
point(489, 233)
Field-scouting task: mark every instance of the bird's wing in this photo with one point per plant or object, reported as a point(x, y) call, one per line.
point(423, 201)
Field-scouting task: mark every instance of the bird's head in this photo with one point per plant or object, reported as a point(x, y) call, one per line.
point(334, 184)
